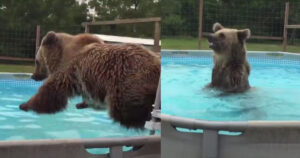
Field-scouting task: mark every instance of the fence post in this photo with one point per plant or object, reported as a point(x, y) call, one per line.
point(200, 23)
point(286, 21)
point(86, 28)
point(157, 36)
point(37, 38)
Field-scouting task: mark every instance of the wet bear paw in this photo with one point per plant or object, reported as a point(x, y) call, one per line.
point(82, 105)
point(24, 107)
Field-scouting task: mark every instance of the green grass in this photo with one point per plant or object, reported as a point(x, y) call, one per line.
point(192, 43)
point(16, 68)
point(179, 43)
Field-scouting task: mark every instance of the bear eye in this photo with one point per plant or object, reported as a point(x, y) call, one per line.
point(222, 35)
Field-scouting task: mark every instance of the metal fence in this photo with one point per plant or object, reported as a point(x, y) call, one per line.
point(17, 42)
point(20, 44)
point(264, 21)
point(193, 19)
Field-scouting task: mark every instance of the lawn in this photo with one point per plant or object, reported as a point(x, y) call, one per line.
point(192, 43)
point(16, 68)
point(180, 44)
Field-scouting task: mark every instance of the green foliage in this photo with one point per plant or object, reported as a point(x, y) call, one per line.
point(20, 18)
point(30, 13)
point(180, 17)
point(125, 9)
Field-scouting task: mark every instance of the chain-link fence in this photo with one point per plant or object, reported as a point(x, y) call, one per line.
point(180, 25)
point(293, 35)
point(263, 20)
point(180, 22)
point(17, 42)
point(20, 43)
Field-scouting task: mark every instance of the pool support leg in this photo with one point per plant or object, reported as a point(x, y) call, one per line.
point(210, 144)
point(116, 152)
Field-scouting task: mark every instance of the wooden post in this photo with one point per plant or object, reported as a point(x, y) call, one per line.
point(86, 28)
point(200, 23)
point(286, 21)
point(156, 36)
point(37, 38)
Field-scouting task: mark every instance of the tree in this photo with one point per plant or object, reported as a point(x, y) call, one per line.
point(125, 9)
point(19, 20)
point(121, 9)
point(44, 12)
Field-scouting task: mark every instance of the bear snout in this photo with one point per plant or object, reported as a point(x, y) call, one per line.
point(211, 41)
point(210, 38)
point(33, 77)
point(37, 77)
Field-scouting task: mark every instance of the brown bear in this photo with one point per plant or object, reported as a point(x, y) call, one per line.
point(231, 68)
point(48, 61)
point(126, 75)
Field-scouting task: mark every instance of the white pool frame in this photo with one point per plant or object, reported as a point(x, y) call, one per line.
point(143, 146)
point(255, 139)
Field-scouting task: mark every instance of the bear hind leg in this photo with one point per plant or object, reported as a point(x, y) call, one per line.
point(131, 111)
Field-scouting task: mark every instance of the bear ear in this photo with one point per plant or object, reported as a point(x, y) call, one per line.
point(50, 38)
point(217, 26)
point(244, 34)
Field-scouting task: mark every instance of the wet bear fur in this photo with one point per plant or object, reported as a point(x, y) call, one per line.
point(231, 68)
point(125, 75)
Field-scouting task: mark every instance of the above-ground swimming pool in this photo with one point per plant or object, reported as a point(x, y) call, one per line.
point(70, 123)
point(274, 77)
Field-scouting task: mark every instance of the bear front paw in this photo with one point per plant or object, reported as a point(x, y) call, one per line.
point(81, 105)
point(24, 107)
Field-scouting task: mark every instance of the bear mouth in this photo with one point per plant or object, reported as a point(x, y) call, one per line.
point(211, 45)
point(38, 77)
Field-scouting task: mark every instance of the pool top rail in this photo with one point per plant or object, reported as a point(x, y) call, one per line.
point(88, 143)
point(234, 126)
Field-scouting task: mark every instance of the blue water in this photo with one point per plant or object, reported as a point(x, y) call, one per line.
point(71, 123)
point(275, 96)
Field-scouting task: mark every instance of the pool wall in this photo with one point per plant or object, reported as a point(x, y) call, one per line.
point(142, 147)
point(182, 137)
point(259, 139)
point(149, 146)
point(9, 75)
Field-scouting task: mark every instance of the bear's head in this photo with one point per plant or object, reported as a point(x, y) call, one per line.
point(228, 42)
point(57, 49)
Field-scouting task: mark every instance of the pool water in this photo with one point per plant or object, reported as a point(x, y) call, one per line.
point(275, 94)
point(71, 123)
